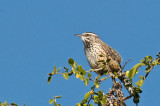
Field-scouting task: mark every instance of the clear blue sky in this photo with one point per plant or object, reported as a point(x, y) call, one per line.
point(36, 34)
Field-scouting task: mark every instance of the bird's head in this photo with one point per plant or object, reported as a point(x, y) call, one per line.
point(88, 37)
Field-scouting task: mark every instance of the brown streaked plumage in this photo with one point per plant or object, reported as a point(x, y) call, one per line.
point(93, 47)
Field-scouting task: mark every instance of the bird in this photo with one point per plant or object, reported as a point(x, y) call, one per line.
point(100, 54)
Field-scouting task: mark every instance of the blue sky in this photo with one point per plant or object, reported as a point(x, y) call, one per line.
point(36, 34)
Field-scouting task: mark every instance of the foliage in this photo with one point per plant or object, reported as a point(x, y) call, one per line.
point(6, 104)
point(100, 97)
point(54, 101)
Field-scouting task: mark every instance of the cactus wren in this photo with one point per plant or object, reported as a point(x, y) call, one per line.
point(96, 50)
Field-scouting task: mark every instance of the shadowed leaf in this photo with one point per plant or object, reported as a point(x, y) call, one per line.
point(49, 79)
point(71, 61)
point(89, 75)
point(58, 97)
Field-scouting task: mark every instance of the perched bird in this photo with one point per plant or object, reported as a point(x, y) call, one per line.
point(97, 52)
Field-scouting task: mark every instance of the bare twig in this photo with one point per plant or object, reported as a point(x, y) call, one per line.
point(126, 63)
point(148, 72)
point(95, 70)
point(90, 99)
point(90, 79)
point(128, 97)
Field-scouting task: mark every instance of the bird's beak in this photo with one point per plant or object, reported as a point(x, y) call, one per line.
point(78, 35)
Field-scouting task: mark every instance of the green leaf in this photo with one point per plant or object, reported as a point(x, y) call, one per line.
point(49, 79)
point(115, 73)
point(142, 61)
point(83, 72)
point(83, 101)
point(140, 83)
point(84, 104)
point(138, 90)
point(75, 64)
point(71, 61)
point(14, 104)
point(137, 71)
point(102, 79)
point(127, 73)
point(141, 77)
point(78, 104)
point(79, 68)
point(96, 99)
point(57, 97)
point(149, 58)
point(154, 63)
point(81, 77)
point(103, 101)
point(86, 81)
point(59, 69)
point(55, 104)
point(58, 105)
point(51, 101)
point(100, 94)
point(86, 96)
point(89, 75)
point(97, 78)
point(73, 70)
point(65, 75)
point(50, 74)
point(77, 74)
point(134, 70)
point(54, 70)
point(96, 84)
point(91, 105)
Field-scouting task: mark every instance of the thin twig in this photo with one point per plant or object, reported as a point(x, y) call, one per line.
point(128, 97)
point(95, 70)
point(90, 99)
point(126, 63)
point(148, 72)
point(90, 79)
point(115, 89)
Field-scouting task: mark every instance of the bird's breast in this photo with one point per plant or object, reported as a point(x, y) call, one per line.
point(93, 53)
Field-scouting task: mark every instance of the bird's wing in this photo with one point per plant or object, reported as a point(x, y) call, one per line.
point(111, 52)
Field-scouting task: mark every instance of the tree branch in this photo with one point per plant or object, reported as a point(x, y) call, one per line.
point(126, 63)
point(128, 97)
point(148, 72)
